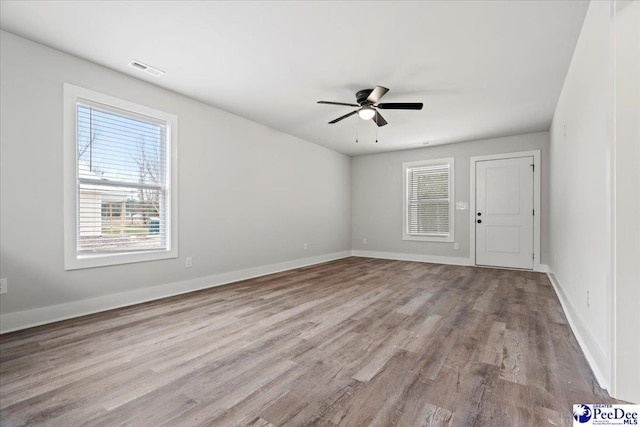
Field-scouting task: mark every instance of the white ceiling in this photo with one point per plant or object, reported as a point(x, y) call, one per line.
point(481, 68)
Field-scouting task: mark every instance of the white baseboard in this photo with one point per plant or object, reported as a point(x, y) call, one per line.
point(435, 259)
point(413, 257)
point(39, 316)
point(593, 352)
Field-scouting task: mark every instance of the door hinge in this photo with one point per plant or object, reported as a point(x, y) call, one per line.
point(533, 256)
point(533, 167)
point(534, 212)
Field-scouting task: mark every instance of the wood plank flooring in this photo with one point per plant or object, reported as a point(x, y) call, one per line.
point(354, 342)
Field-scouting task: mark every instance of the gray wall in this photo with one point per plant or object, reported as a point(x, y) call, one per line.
point(376, 189)
point(248, 195)
point(580, 198)
point(595, 198)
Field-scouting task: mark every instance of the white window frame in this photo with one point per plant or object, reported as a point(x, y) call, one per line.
point(406, 167)
point(72, 259)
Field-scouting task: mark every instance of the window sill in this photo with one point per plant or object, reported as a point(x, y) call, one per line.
point(421, 238)
point(103, 260)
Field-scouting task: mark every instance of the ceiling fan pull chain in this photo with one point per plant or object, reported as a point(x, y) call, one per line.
point(356, 119)
point(376, 134)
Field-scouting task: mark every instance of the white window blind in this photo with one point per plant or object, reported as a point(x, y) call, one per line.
point(428, 200)
point(122, 180)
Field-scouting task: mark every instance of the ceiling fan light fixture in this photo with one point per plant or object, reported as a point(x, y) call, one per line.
point(366, 113)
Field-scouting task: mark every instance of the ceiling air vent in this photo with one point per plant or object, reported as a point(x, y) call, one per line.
point(146, 68)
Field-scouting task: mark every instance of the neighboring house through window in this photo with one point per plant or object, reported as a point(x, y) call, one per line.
point(120, 181)
point(428, 200)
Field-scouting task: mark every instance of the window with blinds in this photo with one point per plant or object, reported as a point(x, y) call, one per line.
point(428, 200)
point(123, 201)
point(121, 180)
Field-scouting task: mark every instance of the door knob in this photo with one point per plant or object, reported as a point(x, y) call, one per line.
point(479, 221)
point(479, 213)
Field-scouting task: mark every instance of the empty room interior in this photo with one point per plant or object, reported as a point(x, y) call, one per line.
point(341, 213)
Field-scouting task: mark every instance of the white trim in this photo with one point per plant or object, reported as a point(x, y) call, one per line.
point(537, 266)
point(72, 261)
point(406, 165)
point(592, 351)
point(398, 256)
point(10, 322)
point(611, 193)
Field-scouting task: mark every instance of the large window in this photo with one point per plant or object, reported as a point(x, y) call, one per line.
point(428, 200)
point(120, 181)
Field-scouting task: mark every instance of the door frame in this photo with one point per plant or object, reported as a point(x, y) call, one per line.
point(537, 266)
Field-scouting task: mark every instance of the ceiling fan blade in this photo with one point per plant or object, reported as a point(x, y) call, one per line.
point(343, 117)
point(379, 120)
point(338, 103)
point(376, 94)
point(400, 106)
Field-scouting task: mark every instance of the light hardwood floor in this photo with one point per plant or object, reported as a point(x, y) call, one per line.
point(353, 342)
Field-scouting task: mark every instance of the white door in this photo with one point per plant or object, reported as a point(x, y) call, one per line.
point(504, 213)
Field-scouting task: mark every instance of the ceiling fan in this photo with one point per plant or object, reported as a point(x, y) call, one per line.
point(368, 102)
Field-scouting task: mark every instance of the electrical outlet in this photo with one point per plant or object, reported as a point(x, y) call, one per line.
point(456, 246)
point(305, 247)
point(188, 262)
point(364, 241)
point(3, 286)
